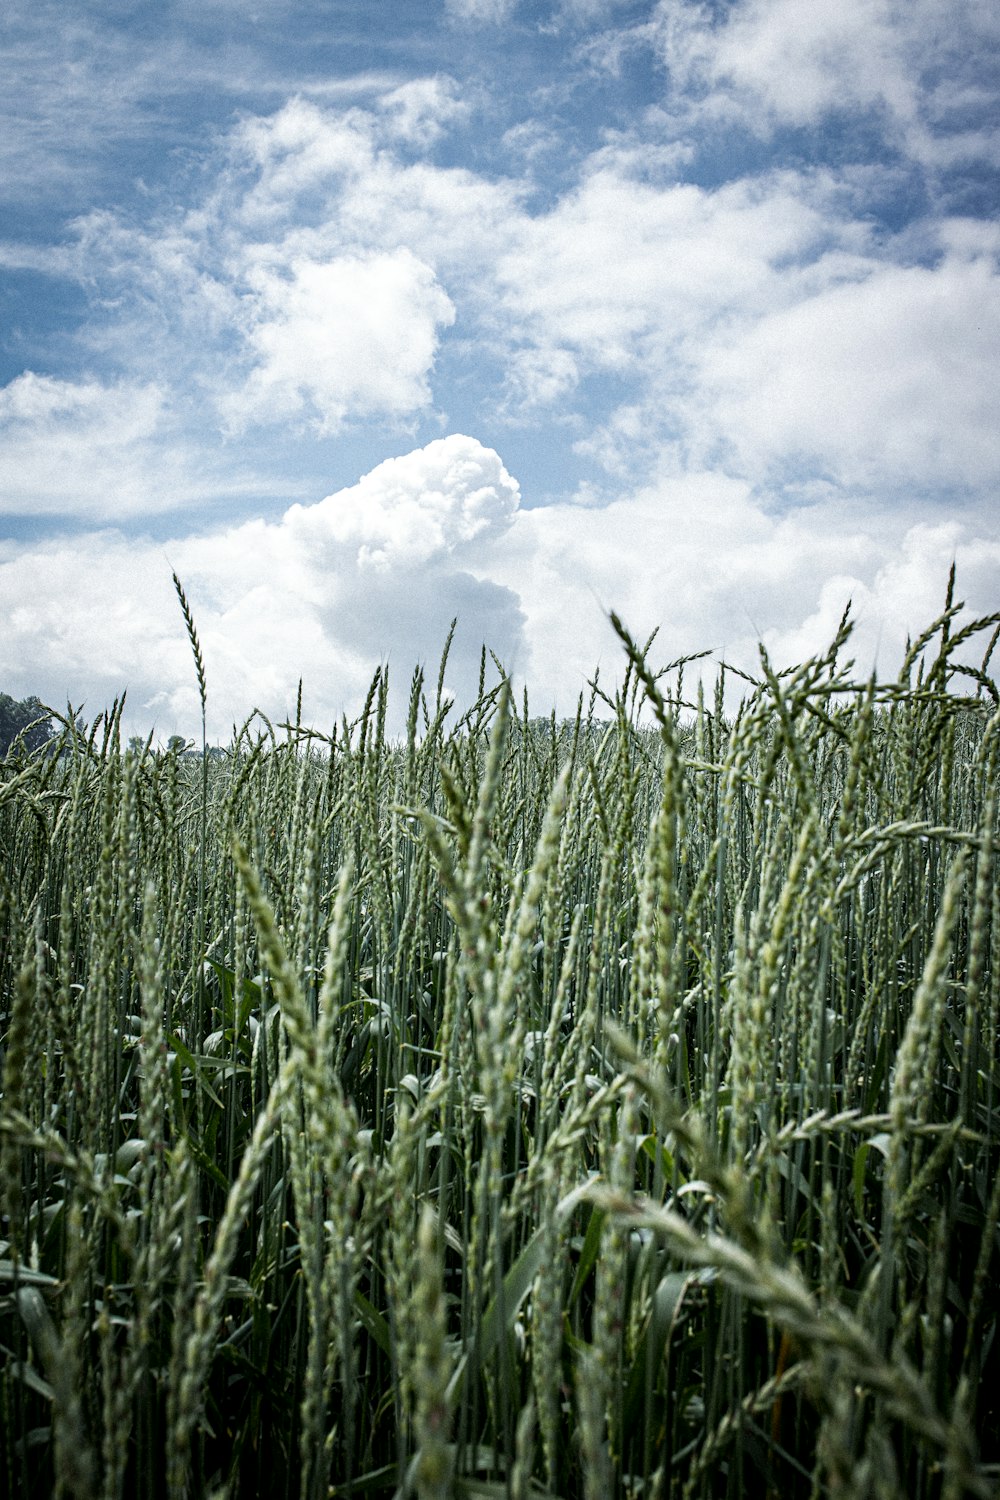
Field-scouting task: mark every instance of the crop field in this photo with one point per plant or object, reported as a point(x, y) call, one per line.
point(606, 1108)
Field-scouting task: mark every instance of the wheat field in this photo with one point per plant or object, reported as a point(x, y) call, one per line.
point(604, 1108)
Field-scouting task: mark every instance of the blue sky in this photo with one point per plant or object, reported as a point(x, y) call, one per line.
point(361, 316)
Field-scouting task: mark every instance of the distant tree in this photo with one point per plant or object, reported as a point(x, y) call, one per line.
point(29, 719)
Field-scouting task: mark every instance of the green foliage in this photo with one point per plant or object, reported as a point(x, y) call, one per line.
point(597, 1109)
point(27, 723)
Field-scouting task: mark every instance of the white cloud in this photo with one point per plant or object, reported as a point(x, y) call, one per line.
point(320, 259)
point(444, 500)
point(81, 448)
point(34, 398)
point(481, 12)
point(620, 262)
point(921, 68)
point(291, 153)
point(540, 377)
point(533, 142)
point(802, 61)
point(714, 350)
point(111, 452)
point(378, 570)
point(761, 326)
point(764, 324)
point(892, 378)
point(344, 338)
point(420, 111)
point(374, 571)
point(717, 568)
point(308, 178)
point(903, 594)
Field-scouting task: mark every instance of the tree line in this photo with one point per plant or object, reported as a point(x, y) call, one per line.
point(25, 722)
point(27, 725)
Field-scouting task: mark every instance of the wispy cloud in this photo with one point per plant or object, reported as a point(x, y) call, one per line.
point(81, 448)
point(74, 83)
point(86, 450)
point(922, 75)
point(420, 111)
point(481, 12)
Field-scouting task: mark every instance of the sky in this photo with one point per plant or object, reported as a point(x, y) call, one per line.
point(361, 316)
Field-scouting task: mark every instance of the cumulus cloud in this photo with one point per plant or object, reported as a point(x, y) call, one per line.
point(735, 316)
point(760, 326)
point(348, 337)
point(718, 566)
point(317, 279)
point(888, 378)
point(444, 500)
point(375, 571)
point(274, 161)
point(312, 176)
point(763, 325)
point(622, 267)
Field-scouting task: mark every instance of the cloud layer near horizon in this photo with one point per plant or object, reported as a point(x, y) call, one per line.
point(377, 571)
